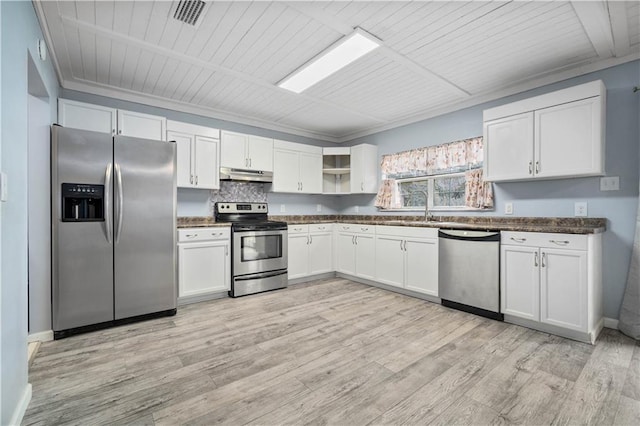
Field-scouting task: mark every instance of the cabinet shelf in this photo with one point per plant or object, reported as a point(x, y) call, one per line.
point(336, 170)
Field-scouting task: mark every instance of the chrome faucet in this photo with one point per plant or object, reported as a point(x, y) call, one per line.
point(427, 213)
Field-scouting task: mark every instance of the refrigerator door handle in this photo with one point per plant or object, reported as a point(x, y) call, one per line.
point(120, 202)
point(107, 202)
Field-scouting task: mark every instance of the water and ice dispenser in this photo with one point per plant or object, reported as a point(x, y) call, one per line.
point(82, 202)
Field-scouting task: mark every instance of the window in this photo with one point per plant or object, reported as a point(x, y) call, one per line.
point(444, 192)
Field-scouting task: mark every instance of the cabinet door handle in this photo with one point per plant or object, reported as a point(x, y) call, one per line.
point(530, 167)
point(191, 180)
point(364, 229)
point(537, 167)
point(120, 131)
point(353, 239)
point(322, 228)
point(518, 240)
point(310, 239)
point(361, 186)
point(560, 242)
point(544, 257)
point(301, 186)
point(535, 259)
point(191, 235)
point(226, 250)
point(405, 245)
point(215, 234)
point(196, 179)
point(249, 162)
point(401, 245)
point(356, 239)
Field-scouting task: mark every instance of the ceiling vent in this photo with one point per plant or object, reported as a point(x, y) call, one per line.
point(189, 11)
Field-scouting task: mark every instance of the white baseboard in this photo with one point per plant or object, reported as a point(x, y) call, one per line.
point(18, 413)
point(611, 323)
point(42, 336)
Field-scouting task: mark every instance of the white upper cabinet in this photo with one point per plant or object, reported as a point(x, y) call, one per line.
point(139, 125)
point(80, 115)
point(297, 168)
point(197, 155)
point(557, 135)
point(364, 169)
point(249, 152)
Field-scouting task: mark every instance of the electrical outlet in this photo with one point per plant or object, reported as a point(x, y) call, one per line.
point(580, 209)
point(282, 208)
point(508, 208)
point(357, 209)
point(610, 183)
point(319, 208)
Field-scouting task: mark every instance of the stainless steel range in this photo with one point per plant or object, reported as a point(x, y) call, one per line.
point(258, 247)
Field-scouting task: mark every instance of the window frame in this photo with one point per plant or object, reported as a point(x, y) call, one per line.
point(430, 185)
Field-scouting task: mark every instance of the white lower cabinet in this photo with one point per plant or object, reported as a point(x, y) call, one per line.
point(355, 250)
point(553, 279)
point(204, 267)
point(407, 257)
point(310, 250)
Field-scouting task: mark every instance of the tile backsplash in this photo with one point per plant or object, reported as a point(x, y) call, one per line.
point(231, 191)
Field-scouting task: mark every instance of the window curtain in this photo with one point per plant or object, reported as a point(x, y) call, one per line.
point(629, 321)
point(386, 194)
point(477, 193)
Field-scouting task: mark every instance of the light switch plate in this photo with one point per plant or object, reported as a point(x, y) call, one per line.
point(580, 209)
point(357, 209)
point(508, 208)
point(319, 208)
point(4, 187)
point(282, 208)
point(610, 183)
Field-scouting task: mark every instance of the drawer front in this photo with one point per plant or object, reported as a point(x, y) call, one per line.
point(203, 234)
point(407, 231)
point(545, 240)
point(321, 227)
point(298, 229)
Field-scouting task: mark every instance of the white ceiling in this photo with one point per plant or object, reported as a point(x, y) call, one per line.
point(436, 57)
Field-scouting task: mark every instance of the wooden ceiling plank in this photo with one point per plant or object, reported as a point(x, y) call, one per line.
point(141, 18)
point(103, 59)
point(213, 19)
point(122, 12)
point(220, 34)
point(186, 81)
point(159, 16)
point(89, 60)
point(245, 24)
point(131, 58)
point(142, 70)
point(168, 70)
point(595, 21)
point(245, 47)
point(157, 64)
point(72, 40)
point(116, 62)
point(619, 27)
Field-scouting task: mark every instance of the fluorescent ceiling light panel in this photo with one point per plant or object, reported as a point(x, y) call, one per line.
point(336, 57)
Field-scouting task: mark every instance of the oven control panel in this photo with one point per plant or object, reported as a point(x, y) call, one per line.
point(241, 208)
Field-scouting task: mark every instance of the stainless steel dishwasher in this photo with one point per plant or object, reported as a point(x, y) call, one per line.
point(469, 271)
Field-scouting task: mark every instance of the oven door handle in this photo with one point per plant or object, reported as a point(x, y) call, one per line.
point(261, 275)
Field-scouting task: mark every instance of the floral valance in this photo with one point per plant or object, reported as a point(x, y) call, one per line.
point(446, 158)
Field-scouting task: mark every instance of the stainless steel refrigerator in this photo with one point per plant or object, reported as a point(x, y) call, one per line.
point(113, 229)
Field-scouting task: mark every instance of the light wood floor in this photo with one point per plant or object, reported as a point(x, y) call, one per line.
point(332, 352)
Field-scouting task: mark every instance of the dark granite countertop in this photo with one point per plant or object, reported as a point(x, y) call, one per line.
point(199, 222)
point(563, 225)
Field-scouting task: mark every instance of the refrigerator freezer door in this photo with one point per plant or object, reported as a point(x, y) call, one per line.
point(82, 255)
point(144, 226)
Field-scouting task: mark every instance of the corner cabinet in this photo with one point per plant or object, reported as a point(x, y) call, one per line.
point(204, 266)
point(297, 168)
point(553, 281)
point(350, 170)
point(84, 116)
point(556, 135)
point(198, 153)
point(248, 152)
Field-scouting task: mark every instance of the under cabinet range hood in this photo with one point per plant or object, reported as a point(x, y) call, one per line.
point(227, 173)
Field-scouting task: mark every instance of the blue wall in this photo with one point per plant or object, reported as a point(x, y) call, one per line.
point(553, 197)
point(20, 31)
